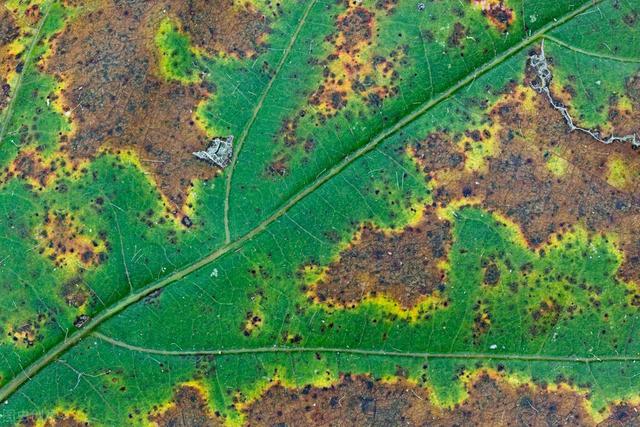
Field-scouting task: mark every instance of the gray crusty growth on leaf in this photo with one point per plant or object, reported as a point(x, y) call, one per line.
point(541, 85)
point(219, 152)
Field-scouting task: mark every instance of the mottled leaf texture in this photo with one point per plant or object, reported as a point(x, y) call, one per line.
point(319, 212)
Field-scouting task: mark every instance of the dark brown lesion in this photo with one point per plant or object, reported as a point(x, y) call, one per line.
point(481, 321)
point(28, 332)
point(353, 75)
point(117, 98)
point(31, 167)
point(354, 34)
point(362, 400)
point(497, 12)
point(58, 420)
point(545, 316)
point(518, 182)
point(388, 6)
point(226, 26)
point(9, 31)
point(65, 242)
point(515, 181)
point(5, 92)
point(252, 322)
point(437, 153)
point(403, 266)
point(189, 407)
point(75, 292)
point(491, 273)
point(457, 36)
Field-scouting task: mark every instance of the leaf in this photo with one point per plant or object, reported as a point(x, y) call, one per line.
point(419, 222)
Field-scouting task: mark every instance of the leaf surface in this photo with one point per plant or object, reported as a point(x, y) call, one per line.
point(414, 226)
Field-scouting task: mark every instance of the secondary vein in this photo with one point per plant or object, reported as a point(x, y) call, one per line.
point(381, 353)
point(252, 120)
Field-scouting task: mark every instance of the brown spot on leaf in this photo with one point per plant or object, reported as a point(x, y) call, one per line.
point(75, 293)
point(188, 408)
point(458, 33)
point(31, 167)
point(225, 26)
point(497, 12)
point(278, 168)
point(58, 420)
point(491, 274)
point(623, 414)
point(347, 73)
point(631, 18)
point(116, 97)
point(519, 182)
point(252, 322)
point(5, 91)
point(632, 86)
point(27, 333)
point(33, 14)
point(436, 153)
point(364, 401)
point(355, 28)
point(66, 243)
point(9, 31)
point(545, 317)
point(353, 401)
point(352, 73)
point(343, 67)
point(388, 6)
point(481, 321)
point(400, 265)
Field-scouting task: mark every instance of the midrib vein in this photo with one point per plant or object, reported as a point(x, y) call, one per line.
point(363, 352)
point(72, 339)
point(254, 115)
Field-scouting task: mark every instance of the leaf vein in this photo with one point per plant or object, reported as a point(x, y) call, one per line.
point(364, 352)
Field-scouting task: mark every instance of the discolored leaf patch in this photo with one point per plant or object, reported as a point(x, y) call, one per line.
point(188, 408)
point(349, 70)
point(362, 400)
point(75, 293)
point(58, 420)
point(354, 77)
point(497, 12)
point(65, 242)
point(411, 235)
point(29, 332)
point(545, 187)
point(224, 26)
point(9, 31)
point(403, 266)
point(116, 96)
point(32, 168)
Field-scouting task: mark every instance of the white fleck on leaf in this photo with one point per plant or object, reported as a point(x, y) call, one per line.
point(219, 152)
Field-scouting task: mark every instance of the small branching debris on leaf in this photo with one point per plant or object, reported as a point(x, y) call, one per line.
point(219, 152)
point(538, 62)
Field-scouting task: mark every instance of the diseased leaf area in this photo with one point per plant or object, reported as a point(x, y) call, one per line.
point(410, 213)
